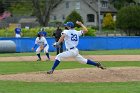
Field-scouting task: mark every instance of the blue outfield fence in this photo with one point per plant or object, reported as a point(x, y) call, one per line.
point(85, 43)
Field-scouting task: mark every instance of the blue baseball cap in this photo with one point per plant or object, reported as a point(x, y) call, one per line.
point(69, 24)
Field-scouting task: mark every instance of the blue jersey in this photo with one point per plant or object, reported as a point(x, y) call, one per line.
point(18, 30)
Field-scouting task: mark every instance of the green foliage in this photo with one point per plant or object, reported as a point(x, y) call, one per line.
point(6, 33)
point(91, 31)
point(1, 8)
point(118, 4)
point(73, 17)
point(128, 19)
point(18, 7)
point(32, 32)
point(21, 9)
point(108, 22)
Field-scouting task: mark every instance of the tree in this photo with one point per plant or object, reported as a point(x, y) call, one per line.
point(43, 8)
point(73, 17)
point(118, 4)
point(18, 7)
point(128, 20)
point(39, 8)
point(1, 8)
point(108, 21)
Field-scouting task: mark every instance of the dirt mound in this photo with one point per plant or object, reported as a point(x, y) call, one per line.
point(120, 74)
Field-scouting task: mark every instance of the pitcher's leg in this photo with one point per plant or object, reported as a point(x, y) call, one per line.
point(64, 55)
point(58, 58)
point(88, 61)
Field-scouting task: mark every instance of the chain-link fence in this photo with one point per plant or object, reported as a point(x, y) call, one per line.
point(111, 33)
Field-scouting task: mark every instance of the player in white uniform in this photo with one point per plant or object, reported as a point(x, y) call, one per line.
point(71, 38)
point(42, 44)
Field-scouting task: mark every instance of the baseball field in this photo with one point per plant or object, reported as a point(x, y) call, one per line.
point(20, 73)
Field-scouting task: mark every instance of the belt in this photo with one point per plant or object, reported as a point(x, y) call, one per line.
point(70, 48)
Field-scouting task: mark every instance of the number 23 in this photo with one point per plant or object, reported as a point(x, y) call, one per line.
point(74, 37)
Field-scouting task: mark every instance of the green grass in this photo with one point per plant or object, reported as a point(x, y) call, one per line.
point(97, 52)
point(32, 87)
point(112, 52)
point(46, 87)
point(22, 54)
point(20, 67)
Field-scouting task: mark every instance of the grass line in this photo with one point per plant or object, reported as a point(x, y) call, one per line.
point(32, 87)
point(97, 52)
point(20, 67)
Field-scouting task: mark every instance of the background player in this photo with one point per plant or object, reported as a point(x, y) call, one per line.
point(18, 32)
point(71, 38)
point(42, 31)
point(42, 45)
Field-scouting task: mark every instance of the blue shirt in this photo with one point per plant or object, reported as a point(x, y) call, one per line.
point(18, 30)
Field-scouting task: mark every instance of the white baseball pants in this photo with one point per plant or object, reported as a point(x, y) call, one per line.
point(45, 49)
point(72, 53)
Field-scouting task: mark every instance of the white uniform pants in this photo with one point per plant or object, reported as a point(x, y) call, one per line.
point(45, 49)
point(17, 35)
point(72, 53)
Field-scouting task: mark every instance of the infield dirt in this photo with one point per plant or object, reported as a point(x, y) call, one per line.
point(115, 74)
point(121, 74)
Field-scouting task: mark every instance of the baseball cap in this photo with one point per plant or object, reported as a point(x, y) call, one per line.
point(69, 24)
point(40, 33)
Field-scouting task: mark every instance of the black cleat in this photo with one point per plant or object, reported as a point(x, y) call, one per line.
point(50, 72)
point(100, 66)
point(39, 59)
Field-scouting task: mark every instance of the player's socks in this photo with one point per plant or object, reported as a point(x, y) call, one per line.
point(39, 56)
point(47, 54)
point(56, 63)
point(91, 62)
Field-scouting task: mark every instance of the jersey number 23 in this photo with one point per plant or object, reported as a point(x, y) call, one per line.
point(74, 37)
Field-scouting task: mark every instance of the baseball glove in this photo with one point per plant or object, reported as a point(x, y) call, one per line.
point(56, 44)
point(41, 47)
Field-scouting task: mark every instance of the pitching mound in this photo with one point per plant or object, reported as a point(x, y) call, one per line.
point(121, 74)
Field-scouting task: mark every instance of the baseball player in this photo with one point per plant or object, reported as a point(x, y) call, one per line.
point(18, 32)
point(71, 38)
point(42, 45)
point(42, 31)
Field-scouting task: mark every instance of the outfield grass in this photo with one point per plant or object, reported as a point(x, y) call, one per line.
point(20, 67)
point(99, 52)
point(32, 87)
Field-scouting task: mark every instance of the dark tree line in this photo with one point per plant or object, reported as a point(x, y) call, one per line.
point(39, 8)
point(1, 8)
point(128, 19)
point(118, 4)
